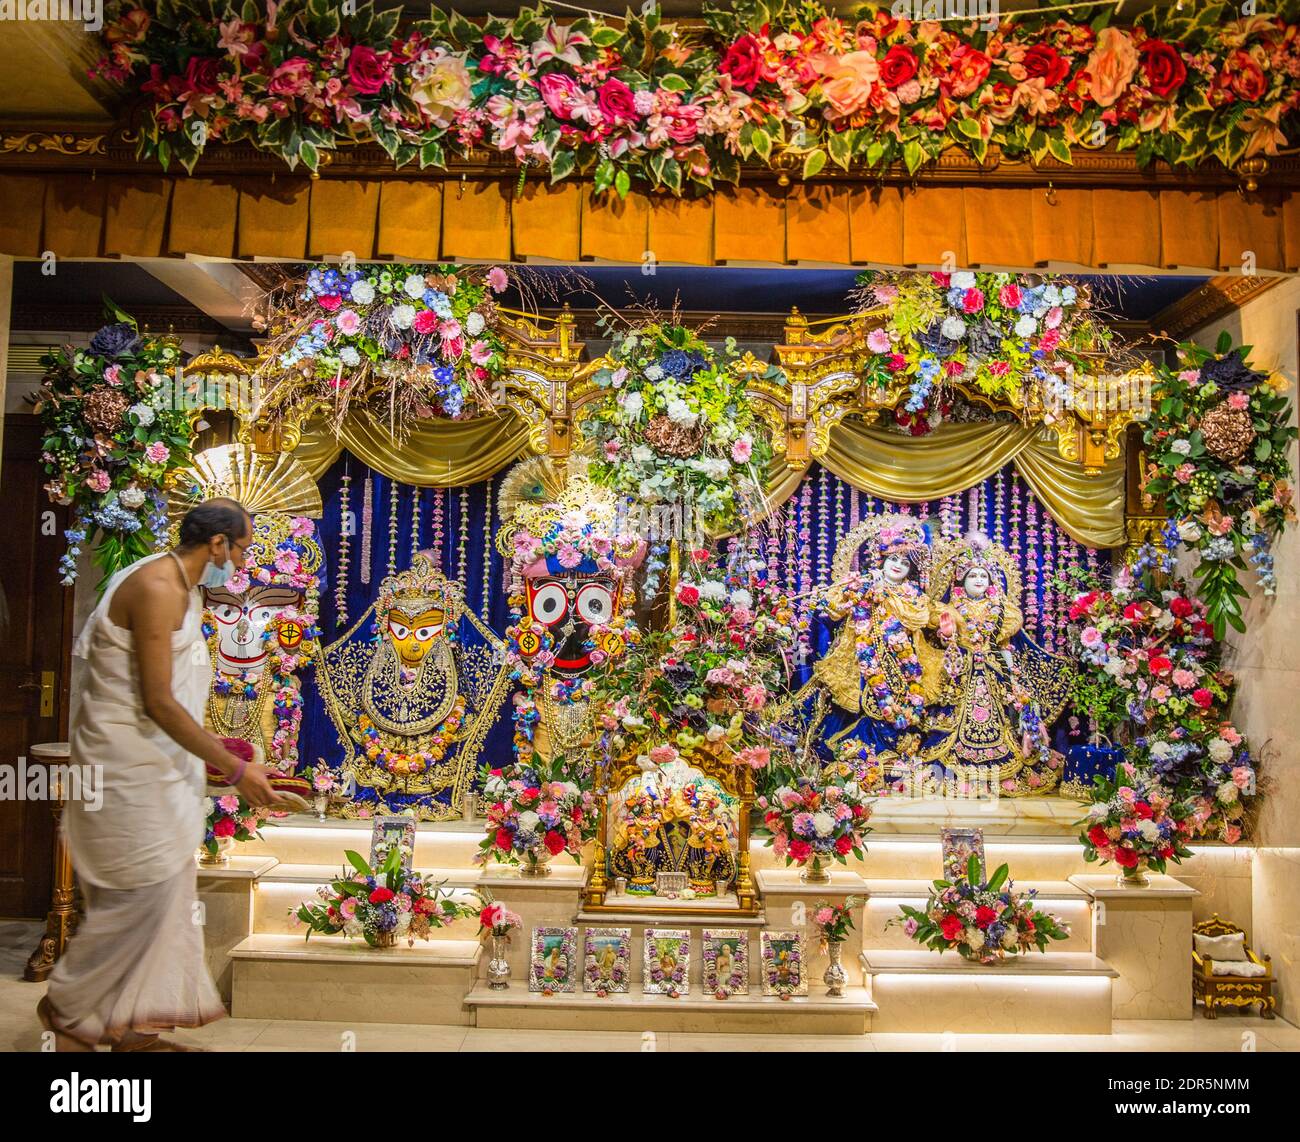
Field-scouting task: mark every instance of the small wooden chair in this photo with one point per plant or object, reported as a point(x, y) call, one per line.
point(1229, 990)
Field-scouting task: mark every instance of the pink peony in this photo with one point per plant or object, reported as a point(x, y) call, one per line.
point(742, 449)
point(425, 323)
point(98, 480)
point(157, 453)
point(497, 279)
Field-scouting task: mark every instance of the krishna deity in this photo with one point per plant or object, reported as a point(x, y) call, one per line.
point(571, 598)
point(410, 701)
point(996, 697)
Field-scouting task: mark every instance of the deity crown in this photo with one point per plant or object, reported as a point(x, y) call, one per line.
point(419, 588)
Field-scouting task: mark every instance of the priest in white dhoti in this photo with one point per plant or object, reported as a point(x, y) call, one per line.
point(135, 966)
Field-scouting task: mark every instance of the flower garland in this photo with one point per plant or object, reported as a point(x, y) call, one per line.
point(418, 761)
point(781, 84)
point(1219, 438)
point(345, 550)
point(114, 426)
point(412, 342)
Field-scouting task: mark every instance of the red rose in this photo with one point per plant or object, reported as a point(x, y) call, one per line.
point(844, 845)
point(201, 75)
point(1126, 858)
point(426, 322)
point(381, 895)
point(1160, 665)
point(744, 63)
point(968, 68)
point(1180, 607)
point(616, 101)
point(1163, 67)
point(528, 796)
point(950, 926)
point(898, 66)
point(688, 594)
point(984, 915)
point(1142, 810)
point(1244, 76)
point(1203, 698)
point(368, 70)
point(503, 839)
point(1097, 835)
point(1044, 62)
point(554, 842)
point(223, 827)
point(800, 850)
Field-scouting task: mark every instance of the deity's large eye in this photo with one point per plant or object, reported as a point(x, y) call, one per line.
point(427, 631)
point(550, 603)
point(397, 630)
point(260, 616)
point(226, 613)
point(596, 603)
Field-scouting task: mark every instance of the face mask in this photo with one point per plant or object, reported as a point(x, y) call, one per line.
point(214, 576)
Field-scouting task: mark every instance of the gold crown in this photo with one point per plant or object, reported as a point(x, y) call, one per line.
point(418, 588)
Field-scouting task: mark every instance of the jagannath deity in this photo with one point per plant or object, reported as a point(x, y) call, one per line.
point(998, 692)
point(880, 670)
point(411, 700)
point(571, 599)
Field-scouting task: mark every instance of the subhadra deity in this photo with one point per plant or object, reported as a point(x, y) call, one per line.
point(571, 600)
point(995, 697)
point(262, 631)
point(411, 702)
point(879, 670)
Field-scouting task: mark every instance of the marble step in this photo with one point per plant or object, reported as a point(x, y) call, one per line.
point(287, 886)
point(1067, 993)
point(755, 1013)
point(345, 981)
point(301, 839)
point(884, 898)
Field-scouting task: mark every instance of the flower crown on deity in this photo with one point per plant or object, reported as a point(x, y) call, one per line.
point(960, 557)
point(284, 553)
point(883, 535)
point(421, 587)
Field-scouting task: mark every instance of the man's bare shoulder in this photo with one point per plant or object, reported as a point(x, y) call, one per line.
point(154, 588)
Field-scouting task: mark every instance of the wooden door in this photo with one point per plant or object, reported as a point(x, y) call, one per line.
point(35, 644)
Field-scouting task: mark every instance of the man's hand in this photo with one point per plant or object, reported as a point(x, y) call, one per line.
point(255, 786)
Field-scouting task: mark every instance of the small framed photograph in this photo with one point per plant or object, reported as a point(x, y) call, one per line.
point(553, 961)
point(782, 955)
point(606, 960)
point(959, 845)
point(724, 961)
point(667, 961)
point(387, 832)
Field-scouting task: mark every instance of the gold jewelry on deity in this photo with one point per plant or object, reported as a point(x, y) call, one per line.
point(247, 713)
point(392, 526)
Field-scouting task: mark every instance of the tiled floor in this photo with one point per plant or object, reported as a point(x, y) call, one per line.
point(19, 1031)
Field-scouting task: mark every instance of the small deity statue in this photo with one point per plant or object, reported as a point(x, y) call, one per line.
point(995, 698)
point(709, 858)
point(411, 702)
point(571, 600)
point(640, 846)
point(880, 669)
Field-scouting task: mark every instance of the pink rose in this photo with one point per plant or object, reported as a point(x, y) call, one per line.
point(368, 70)
point(1238, 401)
point(847, 82)
point(157, 453)
point(1110, 68)
point(293, 77)
point(972, 301)
point(616, 101)
point(98, 480)
point(113, 375)
point(558, 92)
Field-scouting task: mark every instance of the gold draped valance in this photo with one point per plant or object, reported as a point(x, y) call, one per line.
point(435, 454)
point(912, 469)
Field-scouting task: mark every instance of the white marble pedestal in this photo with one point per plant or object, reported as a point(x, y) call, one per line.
point(1145, 934)
point(789, 903)
point(226, 897)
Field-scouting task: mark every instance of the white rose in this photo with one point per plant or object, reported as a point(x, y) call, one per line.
point(474, 324)
point(1220, 751)
point(1026, 326)
point(1150, 830)
point(528, 821)
point(495, 787)
point(824, 823)
point(414, 286)
point(144, 415)
point(403, 315)
point(363, 293)
point(962, 279)
point(715, 732)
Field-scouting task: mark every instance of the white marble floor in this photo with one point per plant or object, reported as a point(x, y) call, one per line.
point(19, 1031)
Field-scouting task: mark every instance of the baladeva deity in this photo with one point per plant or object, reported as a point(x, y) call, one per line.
point(571, 599)
point(640, 848)
point(998, 691)
point(709, 858)
point(410, 700)
point(261, 625)
point(880, 669)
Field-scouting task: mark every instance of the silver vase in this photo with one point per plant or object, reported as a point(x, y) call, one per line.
point(498, 969)
point(836, 977)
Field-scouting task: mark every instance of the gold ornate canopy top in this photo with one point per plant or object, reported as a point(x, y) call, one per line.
point(956, 557)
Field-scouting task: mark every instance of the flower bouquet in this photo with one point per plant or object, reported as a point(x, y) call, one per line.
point(815, 821)
point(834, 921)
point(380, 905)
point(1137, 823)
point(534, 812)
point(229, 819)
point(114, 427)
point(422, 341)
point(982, 921)
point(498, 922)
point(1219, 443)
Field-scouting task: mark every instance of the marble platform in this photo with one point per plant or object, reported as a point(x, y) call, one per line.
point(226, 897)
point(789, 903)
point(1066, 993)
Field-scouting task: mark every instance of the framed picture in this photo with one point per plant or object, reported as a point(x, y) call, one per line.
point(782, 954)
point(959, 845)
point(667, 961)
point(387, 832)
point(724, 961)
point(606, 960)
point(553, 961)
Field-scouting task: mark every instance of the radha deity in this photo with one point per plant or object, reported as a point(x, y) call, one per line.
point(571, 599)
point(998, 691)
point(410, 700)
point(879, 670)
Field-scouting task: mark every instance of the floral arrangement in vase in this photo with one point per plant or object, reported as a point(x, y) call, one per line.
point(114, 426)
point(1135, 822)
point(834, 921)
point(381, 905)
point(981, 921)
point(229, 819)
point(1218, 439)
point(534, 812)
point(675, 434)
point(497, 920)
point(1003, 335)
point(786, 85)
point(702, 684)
point(816, 821)
point(410, 341)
